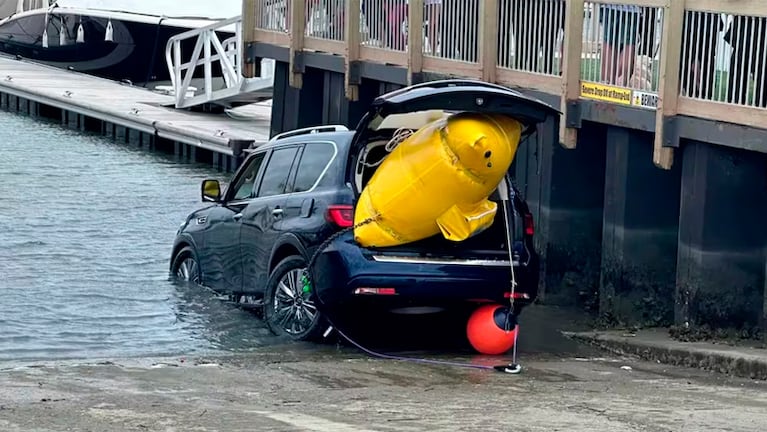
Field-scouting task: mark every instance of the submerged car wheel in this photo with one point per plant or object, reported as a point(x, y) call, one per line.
point(289, 310)
point(185, 267)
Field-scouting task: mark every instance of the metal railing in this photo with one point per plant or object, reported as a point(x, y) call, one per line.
point(679, 57)
point(530, 35)
point(384, 24)
point(455, 32)
point(325, 19)
point(273, 15)
point(726, 58)
point(220, 60)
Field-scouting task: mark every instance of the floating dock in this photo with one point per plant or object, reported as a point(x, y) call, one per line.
point(131, 114)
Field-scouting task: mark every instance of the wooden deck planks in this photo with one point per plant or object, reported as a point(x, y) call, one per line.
point(133, 107)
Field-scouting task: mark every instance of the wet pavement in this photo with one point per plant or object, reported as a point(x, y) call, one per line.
point(301, 387)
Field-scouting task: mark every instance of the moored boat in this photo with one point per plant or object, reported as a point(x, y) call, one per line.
point(111, 39)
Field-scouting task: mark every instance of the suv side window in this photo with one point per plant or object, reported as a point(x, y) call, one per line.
point(245, 186)
point(314, 159)
point(277, 171)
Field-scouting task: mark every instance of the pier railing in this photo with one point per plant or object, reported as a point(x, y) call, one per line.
point(210, 51)
point(699, 58)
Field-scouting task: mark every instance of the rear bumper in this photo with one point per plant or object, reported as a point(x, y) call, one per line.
point(343, 268)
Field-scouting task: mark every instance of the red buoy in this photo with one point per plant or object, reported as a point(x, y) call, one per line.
point(489, 331)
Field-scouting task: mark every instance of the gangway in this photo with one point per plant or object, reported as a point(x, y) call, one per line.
point(209, 51)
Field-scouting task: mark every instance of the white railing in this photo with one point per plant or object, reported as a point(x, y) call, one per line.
point(209, 52)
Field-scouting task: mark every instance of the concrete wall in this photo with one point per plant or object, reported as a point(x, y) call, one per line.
point(639, 232)
point(565, 190)
point(723, 232)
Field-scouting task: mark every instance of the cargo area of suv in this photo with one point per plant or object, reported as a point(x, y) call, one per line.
point(433, 271)
point(490, 244)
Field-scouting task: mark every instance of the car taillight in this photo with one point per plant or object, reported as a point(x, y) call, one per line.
point(529, 225)
point(341, 215)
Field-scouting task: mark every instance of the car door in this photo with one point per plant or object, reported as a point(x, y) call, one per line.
point(262, 218)
point(220, 259)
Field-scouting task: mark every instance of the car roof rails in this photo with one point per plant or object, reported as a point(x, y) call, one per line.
point(310, 130)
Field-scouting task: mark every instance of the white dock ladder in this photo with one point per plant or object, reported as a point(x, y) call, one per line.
point(208, 50)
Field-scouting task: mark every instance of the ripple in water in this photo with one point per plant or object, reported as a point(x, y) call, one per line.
point(87, 227)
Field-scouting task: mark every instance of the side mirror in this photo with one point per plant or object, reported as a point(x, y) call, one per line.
point(211, 191)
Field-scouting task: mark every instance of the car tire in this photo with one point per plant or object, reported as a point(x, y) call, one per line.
point(288, 310)
point(186, 267)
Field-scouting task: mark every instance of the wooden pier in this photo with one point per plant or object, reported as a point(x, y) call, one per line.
point(130, 114)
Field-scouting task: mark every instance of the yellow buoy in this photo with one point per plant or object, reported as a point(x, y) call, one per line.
point(438, 180)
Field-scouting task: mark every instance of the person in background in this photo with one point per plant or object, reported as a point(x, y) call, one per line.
point(748, 38)
point(620, 26)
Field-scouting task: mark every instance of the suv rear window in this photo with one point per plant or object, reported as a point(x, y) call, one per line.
point(314, 160)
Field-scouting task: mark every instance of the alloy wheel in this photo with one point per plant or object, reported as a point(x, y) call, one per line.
point(294, 310)
point(188, 271)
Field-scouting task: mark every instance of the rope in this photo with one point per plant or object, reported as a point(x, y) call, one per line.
point(400, 135)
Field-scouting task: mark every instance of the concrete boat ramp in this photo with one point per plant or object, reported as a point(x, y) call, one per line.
point(137, 115)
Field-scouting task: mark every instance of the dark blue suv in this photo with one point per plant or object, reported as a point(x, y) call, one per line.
point(292, 194)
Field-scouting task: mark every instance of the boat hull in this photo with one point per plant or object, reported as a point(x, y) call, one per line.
point(136, 51)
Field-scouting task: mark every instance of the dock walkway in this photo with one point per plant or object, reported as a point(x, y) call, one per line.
point(139, 114)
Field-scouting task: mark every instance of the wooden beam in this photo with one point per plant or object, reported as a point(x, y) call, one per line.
point(519, 79)
point(297, 29)
point(735, 7)
point(723, 112)
point(668, 87)
point(488, 39)
point(414, 39)
point(571, 69)
point(352, 38)
point(250, 10)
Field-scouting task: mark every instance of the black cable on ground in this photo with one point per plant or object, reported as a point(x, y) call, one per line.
point(511, 368)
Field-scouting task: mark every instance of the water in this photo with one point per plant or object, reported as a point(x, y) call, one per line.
point(86, 229)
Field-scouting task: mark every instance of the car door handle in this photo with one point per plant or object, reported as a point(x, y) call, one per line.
point(237, 216)
point(277, 212)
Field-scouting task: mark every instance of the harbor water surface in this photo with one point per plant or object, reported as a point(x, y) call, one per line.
point(86, 230)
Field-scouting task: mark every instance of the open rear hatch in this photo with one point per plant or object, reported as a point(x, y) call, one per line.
point(411, 109)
